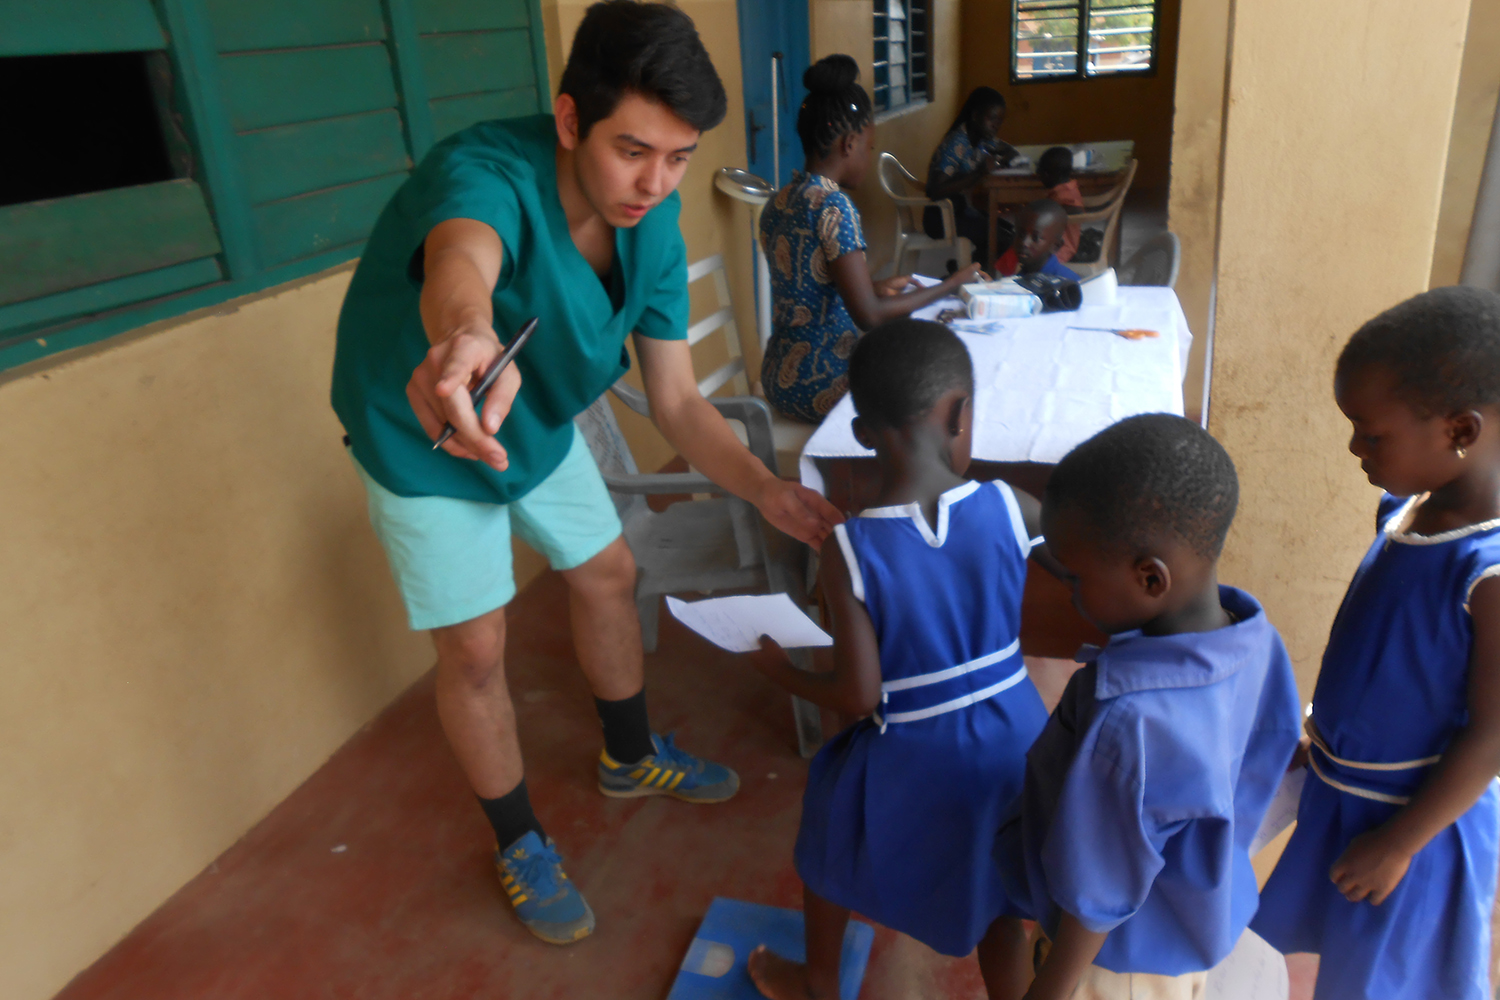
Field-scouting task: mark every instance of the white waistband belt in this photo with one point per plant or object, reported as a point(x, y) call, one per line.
point(954, 704)
point(1401, 765)
point(938, 676)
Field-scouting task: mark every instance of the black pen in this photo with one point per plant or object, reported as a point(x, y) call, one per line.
point(491, 374)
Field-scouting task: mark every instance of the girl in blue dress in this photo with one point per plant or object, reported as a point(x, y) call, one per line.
point(821, 291)
point(924, 590)
point(1391, 872)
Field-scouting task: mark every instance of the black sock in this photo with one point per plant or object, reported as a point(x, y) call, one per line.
point(627, 731)
point(511, 816)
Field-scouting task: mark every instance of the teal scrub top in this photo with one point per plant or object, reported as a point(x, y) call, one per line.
point(504, 174)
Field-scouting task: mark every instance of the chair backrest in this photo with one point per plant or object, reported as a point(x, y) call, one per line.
point(1155, 263)
point(1094, 202)
point(601, 432)
point(721, 319)
point(1109, 213)
point(909, 193)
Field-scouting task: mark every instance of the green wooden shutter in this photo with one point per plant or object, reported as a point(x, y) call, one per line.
point(311, 101)
point(53, 27)
point(481, 59)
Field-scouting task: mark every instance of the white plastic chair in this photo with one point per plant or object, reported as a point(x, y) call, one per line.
point(1155, 263)
point(911, 237)
point(1105, 208)
point(713, 542)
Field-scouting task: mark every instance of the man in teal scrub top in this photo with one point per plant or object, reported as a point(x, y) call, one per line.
point(572, 218)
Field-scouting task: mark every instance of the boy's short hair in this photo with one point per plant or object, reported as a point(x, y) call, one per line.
point(1055, 166)
point(1443, 347)
point(1046, 211)
point(651, 49)
point(900, 369)
point(1146, 476)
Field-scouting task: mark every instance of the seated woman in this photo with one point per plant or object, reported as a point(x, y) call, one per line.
point(821, 291)
point(970, 150)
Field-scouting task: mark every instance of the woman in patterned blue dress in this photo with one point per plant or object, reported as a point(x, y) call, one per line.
point(1390, 873)
point(969, 151)
point(821, 291)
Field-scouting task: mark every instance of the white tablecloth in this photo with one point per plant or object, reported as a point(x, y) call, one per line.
point(1042, 388)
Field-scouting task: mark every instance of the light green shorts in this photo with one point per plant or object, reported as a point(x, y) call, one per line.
point(452, 558)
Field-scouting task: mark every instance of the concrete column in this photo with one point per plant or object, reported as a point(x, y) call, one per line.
point(1336, 135)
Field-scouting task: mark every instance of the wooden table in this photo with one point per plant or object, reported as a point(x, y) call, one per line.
point(1018, 187)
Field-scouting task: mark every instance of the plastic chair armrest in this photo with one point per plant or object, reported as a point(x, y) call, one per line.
point(654, 483)
point(631, 397)
point(756, 416)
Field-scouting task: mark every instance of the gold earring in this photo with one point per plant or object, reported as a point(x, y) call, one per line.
point(1461, 450)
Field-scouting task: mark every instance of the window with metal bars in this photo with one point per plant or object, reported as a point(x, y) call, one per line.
point(903, 47)
point(1073, 39)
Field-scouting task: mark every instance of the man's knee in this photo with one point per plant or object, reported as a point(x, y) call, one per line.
point(610, 574)
point(473, 652)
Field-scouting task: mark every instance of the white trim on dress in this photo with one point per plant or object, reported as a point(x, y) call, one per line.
point(856, 578)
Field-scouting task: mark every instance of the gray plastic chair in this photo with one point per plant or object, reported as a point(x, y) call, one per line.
point(710, 543)
point(1155, 263)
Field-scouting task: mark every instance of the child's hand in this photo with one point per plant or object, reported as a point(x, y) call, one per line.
point(1369, 868)
point(1300, 755)
point(892, 287)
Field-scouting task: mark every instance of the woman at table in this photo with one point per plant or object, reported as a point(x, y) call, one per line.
point(821, 291)
point(969, 151)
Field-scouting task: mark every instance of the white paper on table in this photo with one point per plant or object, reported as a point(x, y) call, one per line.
point(924, 281)
point(1253, 971)
point(1283, 810)
point(737, 623)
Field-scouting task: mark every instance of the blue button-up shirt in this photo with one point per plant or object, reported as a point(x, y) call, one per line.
point(1144, 791)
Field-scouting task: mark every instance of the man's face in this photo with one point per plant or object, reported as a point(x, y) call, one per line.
point(629, 161)
point(1036, 239)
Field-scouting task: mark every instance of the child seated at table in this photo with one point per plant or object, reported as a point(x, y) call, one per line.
point(924, 591)
point(1055, 170)
point(1130, 842)
point(1039, 232)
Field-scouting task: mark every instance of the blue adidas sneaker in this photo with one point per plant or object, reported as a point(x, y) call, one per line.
point(670, 771)
point(543, 896)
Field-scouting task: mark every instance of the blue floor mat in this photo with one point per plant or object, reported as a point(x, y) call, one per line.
point(714, 968)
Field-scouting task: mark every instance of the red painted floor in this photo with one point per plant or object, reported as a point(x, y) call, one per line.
point(373, 879)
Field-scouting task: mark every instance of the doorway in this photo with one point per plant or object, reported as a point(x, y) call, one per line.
point(774, 53)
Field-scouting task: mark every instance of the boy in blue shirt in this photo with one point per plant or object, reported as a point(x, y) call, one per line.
point(1040, 229)
point(1130, 842)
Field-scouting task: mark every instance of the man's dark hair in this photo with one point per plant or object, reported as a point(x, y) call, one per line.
point(1443, 347)
point(1147, 476)
point(900, 369)
point(1055, 166)
point(979, 101)
point(836, 104)
point(651, 49)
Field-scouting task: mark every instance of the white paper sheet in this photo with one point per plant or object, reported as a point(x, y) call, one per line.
point(1253, 971)
point(737, 623)
point(1283, 811)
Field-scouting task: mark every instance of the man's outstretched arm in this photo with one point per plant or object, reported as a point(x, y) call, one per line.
point(461, 259)
point(703, 437)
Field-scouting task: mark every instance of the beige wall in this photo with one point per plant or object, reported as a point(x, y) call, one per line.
point(196, 615)
point(847, 26)
point(1375, 98)
point(1478, 88)
point(1192, 210)
point(1066, 111)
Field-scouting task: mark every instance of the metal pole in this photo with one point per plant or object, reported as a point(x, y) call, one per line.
point(775, 126)
point(1482, 254)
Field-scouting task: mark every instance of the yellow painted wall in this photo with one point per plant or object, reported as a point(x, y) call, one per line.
point(1066, 111)
point(196, 614)
point(1192, 209)
point(1374, 98)
point(1478, 88)
point(847, 26)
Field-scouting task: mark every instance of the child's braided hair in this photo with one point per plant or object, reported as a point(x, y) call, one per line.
point(836, 104)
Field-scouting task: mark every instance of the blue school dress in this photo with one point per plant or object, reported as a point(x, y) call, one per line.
point(901, 809)
point(1393, 691)
point(1147, 787)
